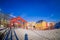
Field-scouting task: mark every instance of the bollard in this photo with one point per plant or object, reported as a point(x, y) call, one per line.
point(26, 37)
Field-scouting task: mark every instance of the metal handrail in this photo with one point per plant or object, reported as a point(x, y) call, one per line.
point(2, 29)
point(3, 34)
point(16, 36)
point(7, 34)
point(11, 34)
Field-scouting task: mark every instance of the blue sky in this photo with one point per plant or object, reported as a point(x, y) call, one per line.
point(33, 10)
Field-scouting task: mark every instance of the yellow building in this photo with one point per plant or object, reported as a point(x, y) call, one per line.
point(41, 26)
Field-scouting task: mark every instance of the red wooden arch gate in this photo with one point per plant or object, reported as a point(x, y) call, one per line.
point(19, 21)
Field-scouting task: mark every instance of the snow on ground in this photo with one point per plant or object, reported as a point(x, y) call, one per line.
point(38, 34)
